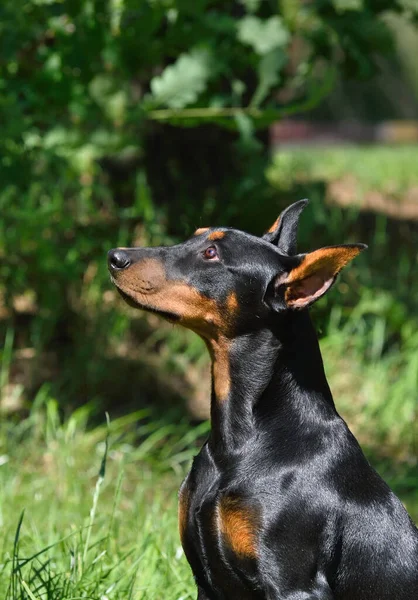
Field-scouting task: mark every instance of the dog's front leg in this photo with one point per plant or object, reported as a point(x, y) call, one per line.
point(298, 596)
point(319, 593)
point(201, 594)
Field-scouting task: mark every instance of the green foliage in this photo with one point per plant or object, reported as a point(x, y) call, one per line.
point(343, 5)
point(262, 36)
point(379, 397)
point(181, 83)
point(86, 88)
point(268, 74)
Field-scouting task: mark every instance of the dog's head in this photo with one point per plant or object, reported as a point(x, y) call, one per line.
point(223, 281)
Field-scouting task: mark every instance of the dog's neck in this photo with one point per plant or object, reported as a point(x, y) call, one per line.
point(272, 375)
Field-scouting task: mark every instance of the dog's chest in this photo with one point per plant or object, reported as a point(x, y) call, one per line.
point(219, 532)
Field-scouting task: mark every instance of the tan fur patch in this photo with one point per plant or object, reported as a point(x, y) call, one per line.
point(232, 302)
point(201, 230)
point(145, 277)
point(184, 503)
point(331, 260)
point(216, 235)
point(146, 284)
point(274, 226)
point(238, 525)
point(221, 372)
point(324, 264)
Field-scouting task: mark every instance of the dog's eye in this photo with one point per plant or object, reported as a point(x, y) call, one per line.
point(210, 253)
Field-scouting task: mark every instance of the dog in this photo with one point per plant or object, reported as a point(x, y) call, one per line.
point(281, 502)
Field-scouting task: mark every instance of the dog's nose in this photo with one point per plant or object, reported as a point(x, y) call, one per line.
point(118, 259)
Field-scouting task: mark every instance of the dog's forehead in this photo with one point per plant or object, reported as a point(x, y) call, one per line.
point(236, 245)
point(231, 237)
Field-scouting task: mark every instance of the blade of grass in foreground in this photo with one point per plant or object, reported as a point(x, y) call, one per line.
point(112, 535)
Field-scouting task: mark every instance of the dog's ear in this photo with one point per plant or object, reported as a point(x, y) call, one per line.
point(283, 232)
point(309, 276)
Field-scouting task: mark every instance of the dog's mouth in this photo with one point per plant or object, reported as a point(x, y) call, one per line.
point(172, 317)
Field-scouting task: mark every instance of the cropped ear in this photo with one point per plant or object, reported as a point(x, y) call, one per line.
point(283, 232)
point(312, 276)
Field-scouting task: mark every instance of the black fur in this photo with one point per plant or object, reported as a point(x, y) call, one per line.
point(324, 524)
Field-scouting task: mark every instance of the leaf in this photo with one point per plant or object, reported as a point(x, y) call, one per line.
point(344, 5)
point(59, 136)
point(115, 107)
point(181, 83)
point(263, 36)
point(251, 6)
point(113, 101)
point(268, 74)
point(53, 62)
point(238, 87)
point(62, 24)
point(244, 125)
point(100, 87)
point(245, 128)
point(46, 2)
point(82, 158)
point(409, 5)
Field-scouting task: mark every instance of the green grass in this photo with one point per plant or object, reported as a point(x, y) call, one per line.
point(92, 513)
point(80, 520)
point(385, 169)
point(375, 391)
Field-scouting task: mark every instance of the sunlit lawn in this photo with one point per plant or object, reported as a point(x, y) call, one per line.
point(84, 536)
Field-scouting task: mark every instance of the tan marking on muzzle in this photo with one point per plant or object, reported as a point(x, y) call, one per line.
point(145, 277)
point(146, 283)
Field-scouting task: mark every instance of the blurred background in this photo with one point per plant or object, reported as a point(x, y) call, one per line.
point(134, 122)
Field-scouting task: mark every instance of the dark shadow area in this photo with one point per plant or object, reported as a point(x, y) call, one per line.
point(401, 476)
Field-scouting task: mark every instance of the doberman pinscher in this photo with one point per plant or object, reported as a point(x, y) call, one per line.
point(280, 503)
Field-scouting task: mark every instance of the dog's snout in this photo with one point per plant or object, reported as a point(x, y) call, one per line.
point(118, 259)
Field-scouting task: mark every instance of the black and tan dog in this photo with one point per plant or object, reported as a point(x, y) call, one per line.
point(280, 503)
